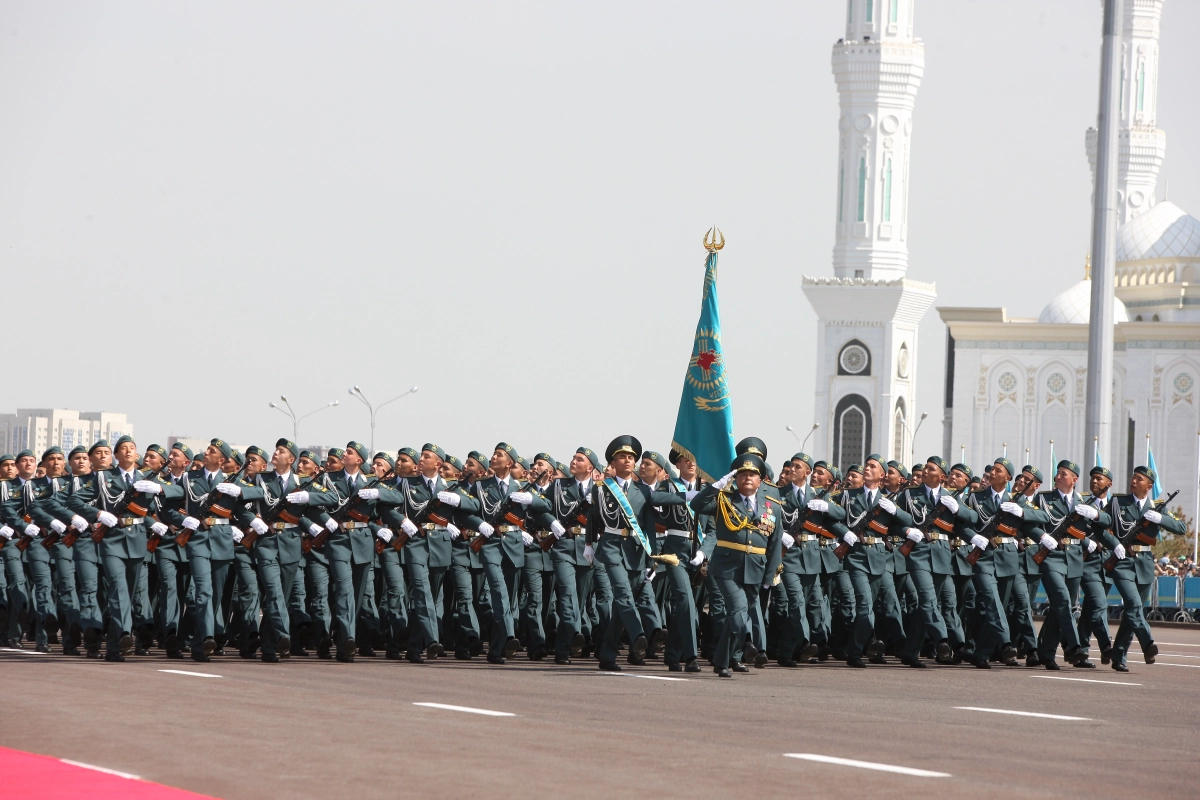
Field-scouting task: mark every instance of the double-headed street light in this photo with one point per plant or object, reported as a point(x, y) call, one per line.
point(357, 392)
point(792, 431)
point(286, 409)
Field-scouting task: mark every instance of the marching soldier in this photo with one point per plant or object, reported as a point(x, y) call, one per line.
point(1029, 573)
point(537, 574)
point(173, 572)
point(315, 560)
point(1093, 618)
point(801, 579)
point(88, 565)
point(749, 529)
point(18, 498)
point(569, 499)
point(1136, 521)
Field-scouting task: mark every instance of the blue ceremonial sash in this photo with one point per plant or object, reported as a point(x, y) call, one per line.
point(623, 502)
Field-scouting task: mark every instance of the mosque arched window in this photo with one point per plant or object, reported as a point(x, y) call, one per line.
point(870, 10)
point(862, 188)
point(851, 431)
point(1141, 87)
point(887, 192)
point(895, 11)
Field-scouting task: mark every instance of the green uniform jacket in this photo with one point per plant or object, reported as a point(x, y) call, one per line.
point(569, 505)
point(605, 513)
point(933, 556)
point(872, 558)
point(765, 532)
point(1125, 513)
point(412, 498)
point(355, 545)
point(1002, 560)
point(110, 488)
point(216, 543)
point(492, 494)
point(82, 500)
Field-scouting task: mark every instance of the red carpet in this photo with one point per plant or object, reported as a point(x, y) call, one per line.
point(28, 775)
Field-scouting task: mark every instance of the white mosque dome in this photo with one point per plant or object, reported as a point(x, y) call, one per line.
point(1165, 231)
point(1074, 306)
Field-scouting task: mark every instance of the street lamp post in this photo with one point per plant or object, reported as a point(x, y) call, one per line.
point(357, 392)
point(288, 412)
point(912, 440)
point(792, 431)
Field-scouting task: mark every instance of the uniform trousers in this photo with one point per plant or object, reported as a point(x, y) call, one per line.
point(1134, 595)
point(927, 621)
point(208, 618)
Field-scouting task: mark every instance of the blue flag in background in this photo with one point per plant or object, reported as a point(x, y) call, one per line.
point(1157, 490)
point(704, 427)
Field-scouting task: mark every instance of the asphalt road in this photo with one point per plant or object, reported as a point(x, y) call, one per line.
point(308, 728)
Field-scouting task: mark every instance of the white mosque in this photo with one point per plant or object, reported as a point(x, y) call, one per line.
point(1011, 384)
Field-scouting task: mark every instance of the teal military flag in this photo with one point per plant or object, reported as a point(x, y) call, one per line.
point(704, 427)
point(1157, 489)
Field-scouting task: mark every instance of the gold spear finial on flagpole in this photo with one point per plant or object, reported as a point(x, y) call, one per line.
point(714, 240)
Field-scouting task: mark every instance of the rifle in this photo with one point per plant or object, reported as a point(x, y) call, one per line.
point(279, 512)
point(871, 520)
point(128, 502)
point(509, 517)
point(1140, 531)
point(1065, 527)
point(998, 524)
point(817, 529)
point(212, 503)
point(153, 540)
point(938, 520)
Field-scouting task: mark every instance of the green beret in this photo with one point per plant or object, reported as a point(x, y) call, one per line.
point(7, 457)
point(1034, 471)
point(592, 456)
point(337, 453)
point(183, 448)
point(478, 456)
point(749, 463)
point(435, 449)
point(770, 472)
point(523, 463)
point(408, 451)
point(964, 469)
point(657, 458)
point(854, 468)
point(123, 440)
point(455, 462)
point(805, 457)
point(822, 464)
point(24, 453)
point(223, 446)
point(1068, 464)
point(508, 448)
point(391, 462)
point(939, 462)
point(310, 455)
point(157, 448)
point(878, 459)
point(237, 457)
point(752, 445)
point(97, 443)
point(359, 448)
point(55, 451)
point(1142, 470)
point(288, 445)
point(76, 449)
point(836, 472)
point(549, 459)
point(1099, 470)
point(1008, 466)
point(623, 444)
point(900, 468)
point(255, 450)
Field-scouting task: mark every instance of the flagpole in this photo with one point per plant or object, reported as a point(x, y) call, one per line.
point(962, 454)
point(1053, 467)
point(1095, 451)
point(1196, 510)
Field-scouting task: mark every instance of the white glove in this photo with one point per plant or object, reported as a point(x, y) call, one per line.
point(106, 519)
point(1086, 511)
point(368, 494)
point(237, 534)
point(979, 542)
point(408, 527)
point(818, 505)
point(453, 531)
point(1153, 516)
point(158, 529)
point(57, 526)
point(698, 559)
point(689, 494)
point(526, 538)
point(150, 487)
point(887, 505)
point(788, 541)
point(298, 498)
point(79, 523)
point(32, 530)
point(950, 503)
point(1119, 551)
point(1091, 546)
point(523, 498)
point(589, 553)
point(191, 523)
point(6, 532)
point(1047, 541)
point(314, 529)
point(557, 529)
point(850, 539)
point(649, 576)
point(1012, 508)
point(331, 525)
point(723, 482)
point(486, 530)
point(449, 498)
point(258, 526)
point(231, 489)
point(385, 534)
point(914, 535)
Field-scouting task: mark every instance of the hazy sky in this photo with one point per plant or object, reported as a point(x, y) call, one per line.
point(203, 205)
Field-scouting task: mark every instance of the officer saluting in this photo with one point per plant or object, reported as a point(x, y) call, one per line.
point(749, 529)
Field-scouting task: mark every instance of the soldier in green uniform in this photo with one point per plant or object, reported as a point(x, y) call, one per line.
point(459, 620)
point(66, 602)
point(569, 499)
point(1093, 618)
point(749, 530)
point(996, 568)
point(174, 575)
point(537, 573)
point(836, 589)
point(1026, 486)
point(88, 565)
point(929, 562)
point(1136, 519)
point(18, 498)
point(315, 563)
point(958, 600)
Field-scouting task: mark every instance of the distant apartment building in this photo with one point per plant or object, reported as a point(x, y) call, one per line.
point(40, 428)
